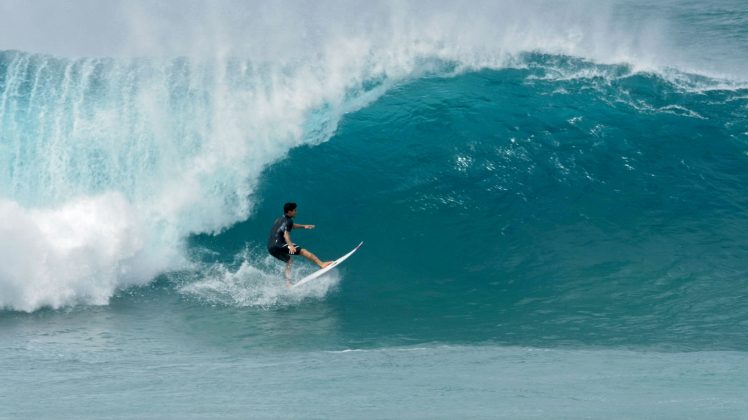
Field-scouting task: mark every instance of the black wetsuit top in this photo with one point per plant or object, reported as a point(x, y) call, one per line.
point(282, 225)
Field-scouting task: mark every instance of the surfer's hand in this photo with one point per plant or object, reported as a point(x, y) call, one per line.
point(309, 227)
point(291, 249)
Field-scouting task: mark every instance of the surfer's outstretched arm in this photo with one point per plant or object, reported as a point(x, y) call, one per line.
point(295, 226)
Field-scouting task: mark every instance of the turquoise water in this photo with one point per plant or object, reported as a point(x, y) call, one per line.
point(553, 215)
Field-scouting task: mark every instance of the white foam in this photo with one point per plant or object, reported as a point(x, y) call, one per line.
point(81, 251)
point(257, 282)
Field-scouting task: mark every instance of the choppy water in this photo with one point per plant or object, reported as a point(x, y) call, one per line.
point(553, 213)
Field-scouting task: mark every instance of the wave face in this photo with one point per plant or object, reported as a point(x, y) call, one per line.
point(572, 177)
point(520, 207)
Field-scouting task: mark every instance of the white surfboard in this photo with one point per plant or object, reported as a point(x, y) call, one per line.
point(322, 271)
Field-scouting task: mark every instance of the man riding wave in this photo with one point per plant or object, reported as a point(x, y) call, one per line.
point(280, 245)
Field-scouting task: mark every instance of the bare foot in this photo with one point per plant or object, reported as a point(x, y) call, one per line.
point(325, 264)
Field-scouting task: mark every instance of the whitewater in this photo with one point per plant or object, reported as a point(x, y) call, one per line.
point(552, 197)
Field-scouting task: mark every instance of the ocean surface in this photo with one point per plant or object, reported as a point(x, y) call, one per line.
point(553, 199)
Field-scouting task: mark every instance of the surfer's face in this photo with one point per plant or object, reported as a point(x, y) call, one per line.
point(292, 213)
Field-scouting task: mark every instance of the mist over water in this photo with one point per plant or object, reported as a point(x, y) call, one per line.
point(689, 35)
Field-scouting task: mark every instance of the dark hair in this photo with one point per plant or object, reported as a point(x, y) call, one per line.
point(289, 207)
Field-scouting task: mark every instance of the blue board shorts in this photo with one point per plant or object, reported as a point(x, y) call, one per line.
point(281, 252)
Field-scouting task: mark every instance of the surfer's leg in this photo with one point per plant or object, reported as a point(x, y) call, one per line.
point(282, 254)
point(313, 258)
point(287, 272)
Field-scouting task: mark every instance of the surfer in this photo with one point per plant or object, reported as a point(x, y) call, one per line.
point(280, 245)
